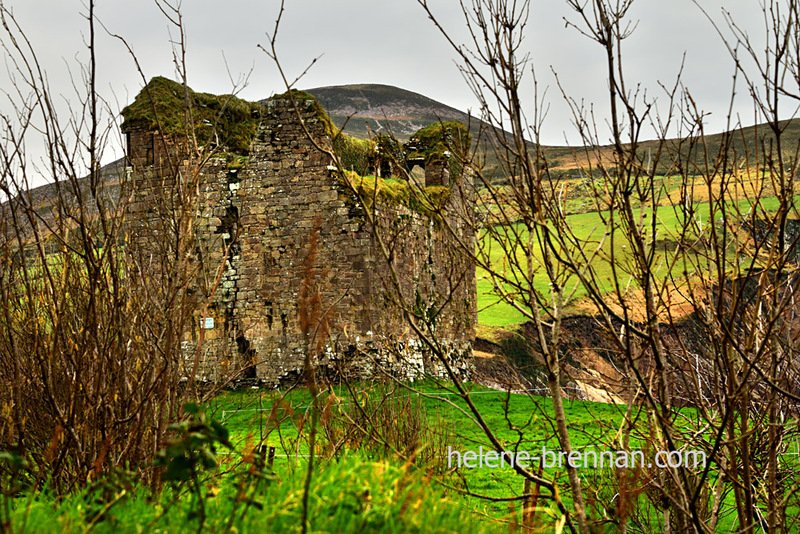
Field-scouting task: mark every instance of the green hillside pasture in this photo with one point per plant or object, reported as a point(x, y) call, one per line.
point(611, 259)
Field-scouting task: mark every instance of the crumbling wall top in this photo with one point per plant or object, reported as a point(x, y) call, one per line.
point(164, 105)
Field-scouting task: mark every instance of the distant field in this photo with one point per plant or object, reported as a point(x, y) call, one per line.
point(589, 227)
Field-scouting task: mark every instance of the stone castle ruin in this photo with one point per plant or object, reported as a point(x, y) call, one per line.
point(277, 224)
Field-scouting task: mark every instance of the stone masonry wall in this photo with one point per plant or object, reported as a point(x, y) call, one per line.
point(292, 194)
point(437, 284)
point(254, 226)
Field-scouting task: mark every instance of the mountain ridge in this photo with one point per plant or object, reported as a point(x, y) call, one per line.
point(362, 110)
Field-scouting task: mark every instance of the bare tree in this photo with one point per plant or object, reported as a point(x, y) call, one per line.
point(93, 312)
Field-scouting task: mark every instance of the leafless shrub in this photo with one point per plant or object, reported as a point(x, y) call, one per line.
point(92, 319)
point(384, 421)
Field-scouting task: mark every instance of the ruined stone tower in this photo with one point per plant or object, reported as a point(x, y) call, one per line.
point(284, 246)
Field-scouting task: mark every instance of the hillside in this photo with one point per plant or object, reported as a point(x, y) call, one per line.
point(374, 108)
point(751, 143)
point(369, 109)
point(698, 155)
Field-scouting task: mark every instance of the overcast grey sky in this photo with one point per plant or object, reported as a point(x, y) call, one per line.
point(390, 42)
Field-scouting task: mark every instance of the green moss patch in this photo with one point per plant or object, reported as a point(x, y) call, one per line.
point(235, 161)
point(432, 198)
point(371, 188)
point(441, 142)
point(226, 120)
point(355, 155)
point(427, 201)
point(430, 143)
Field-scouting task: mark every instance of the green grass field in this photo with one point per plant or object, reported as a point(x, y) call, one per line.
point(352, 494)
point(359, 489)
point(589, 228)
point(521, 422)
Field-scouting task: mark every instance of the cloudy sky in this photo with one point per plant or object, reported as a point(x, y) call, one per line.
point(389, 42)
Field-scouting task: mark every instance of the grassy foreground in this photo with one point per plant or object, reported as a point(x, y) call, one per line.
point(360, 488)
point(357, 486)
point(351, 494)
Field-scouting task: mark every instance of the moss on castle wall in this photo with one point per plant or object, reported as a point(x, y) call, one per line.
point(431, 143)
point(428, 201)
point(354, 154)
point(225, 120)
